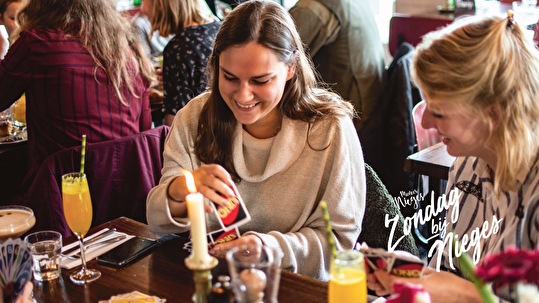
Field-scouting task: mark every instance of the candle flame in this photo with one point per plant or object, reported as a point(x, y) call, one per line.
point(190, 181)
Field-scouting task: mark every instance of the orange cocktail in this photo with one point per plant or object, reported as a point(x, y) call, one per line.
point(78, 214)
point(348, 282)
point(77, 204)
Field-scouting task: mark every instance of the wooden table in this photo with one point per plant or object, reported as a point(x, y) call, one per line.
point(433, 161)
point(161, 273)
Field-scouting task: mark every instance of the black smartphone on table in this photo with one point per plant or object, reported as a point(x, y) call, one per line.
point(127, 252)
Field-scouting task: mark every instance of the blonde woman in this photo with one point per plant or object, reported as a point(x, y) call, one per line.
point(186, 55)
point(479, 78)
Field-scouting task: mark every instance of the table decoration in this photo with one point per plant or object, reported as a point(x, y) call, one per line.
point(514, 270)
point(200, 262)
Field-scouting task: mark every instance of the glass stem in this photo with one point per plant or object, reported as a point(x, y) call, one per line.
point(82, 255)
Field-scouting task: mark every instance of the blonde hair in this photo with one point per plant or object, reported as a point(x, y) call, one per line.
point(103, 31)
point(481, 64)
point(173, 16)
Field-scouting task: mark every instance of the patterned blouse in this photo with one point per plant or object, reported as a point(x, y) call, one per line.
point(184, 65)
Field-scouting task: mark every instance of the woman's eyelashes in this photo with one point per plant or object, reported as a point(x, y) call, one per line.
point(254, 81)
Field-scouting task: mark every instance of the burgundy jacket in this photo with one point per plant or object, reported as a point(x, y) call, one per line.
point(120, 174)
point(65, 96)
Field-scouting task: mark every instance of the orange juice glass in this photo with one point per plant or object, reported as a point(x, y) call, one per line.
point(77, 203)
point(78, 214)
point(348, 281)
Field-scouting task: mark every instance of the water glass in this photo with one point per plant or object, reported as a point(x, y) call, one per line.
point(348, 280)
point(255, 272)
point(45, 247)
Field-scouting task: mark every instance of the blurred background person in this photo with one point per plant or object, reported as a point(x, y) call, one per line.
point(152, 42)
point(8, 18)
point(343, 40)
point(186, 55)
point(83, 72)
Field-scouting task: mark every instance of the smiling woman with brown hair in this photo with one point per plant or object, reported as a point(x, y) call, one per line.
point(268, 129)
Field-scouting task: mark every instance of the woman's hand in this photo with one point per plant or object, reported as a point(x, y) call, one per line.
point(379, 286)
point(220, 250)
point(214, 183)
point(211, 180)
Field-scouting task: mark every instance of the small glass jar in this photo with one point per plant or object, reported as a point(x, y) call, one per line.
point(348, 281)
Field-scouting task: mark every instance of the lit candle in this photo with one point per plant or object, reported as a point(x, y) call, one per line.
point(195, 211)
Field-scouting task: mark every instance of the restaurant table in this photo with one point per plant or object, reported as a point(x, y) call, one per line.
point(433, 161)
point(161, 273)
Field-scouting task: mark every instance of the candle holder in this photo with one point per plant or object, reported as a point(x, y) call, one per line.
point(201, 276)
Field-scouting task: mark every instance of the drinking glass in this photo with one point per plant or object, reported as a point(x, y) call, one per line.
point(348, 280)
point(78, 214)
point(255, 272)
point(45, 247)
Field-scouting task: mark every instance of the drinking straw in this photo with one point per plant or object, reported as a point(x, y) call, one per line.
point(82, 154)
point(329, 233)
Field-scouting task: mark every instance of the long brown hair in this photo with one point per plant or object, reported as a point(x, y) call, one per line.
point(270, 25)
point(104, 32)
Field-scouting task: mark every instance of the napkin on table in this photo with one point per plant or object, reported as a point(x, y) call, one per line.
point(92, 252)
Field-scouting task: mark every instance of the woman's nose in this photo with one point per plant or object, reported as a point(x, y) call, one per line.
point(244, 92)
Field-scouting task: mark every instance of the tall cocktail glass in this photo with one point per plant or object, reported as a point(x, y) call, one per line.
point(78, 214)
point(16, 220)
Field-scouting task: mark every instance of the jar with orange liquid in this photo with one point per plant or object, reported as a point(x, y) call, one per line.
point(348, 280)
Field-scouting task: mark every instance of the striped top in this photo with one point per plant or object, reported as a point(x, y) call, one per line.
point(66, 97)
point(492, 223)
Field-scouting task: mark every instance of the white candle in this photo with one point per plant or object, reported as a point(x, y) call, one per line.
point(195, 211)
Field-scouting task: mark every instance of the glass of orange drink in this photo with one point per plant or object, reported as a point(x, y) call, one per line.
point(348, 280)
point(78, 214)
